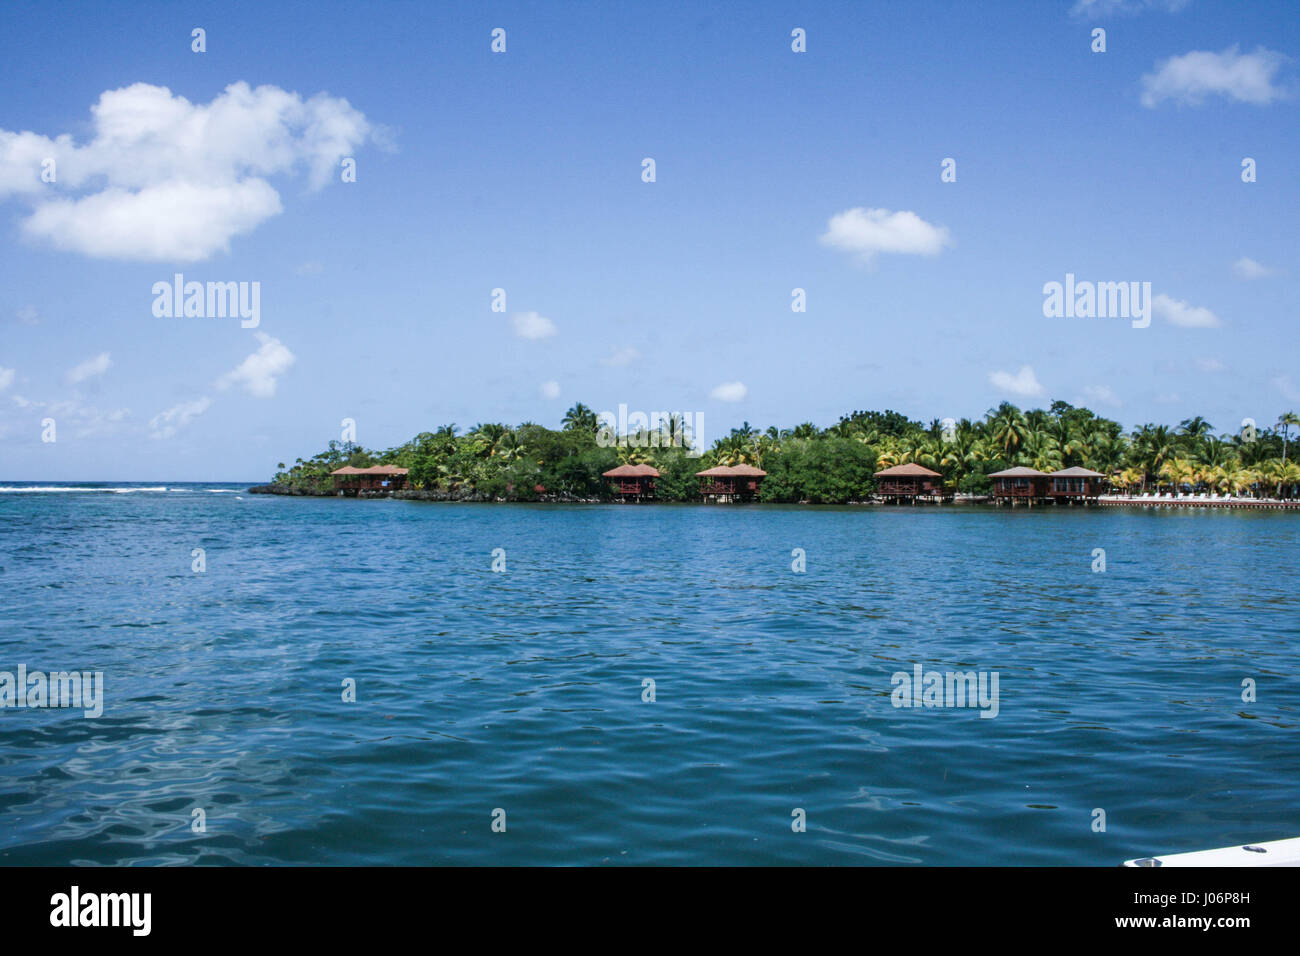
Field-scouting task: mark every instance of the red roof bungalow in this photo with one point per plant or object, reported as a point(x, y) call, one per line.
point(374, 478)
point(730, 482)
point(633, 482)
point(1019, 484)
point(910, 481)
point(1075, 484)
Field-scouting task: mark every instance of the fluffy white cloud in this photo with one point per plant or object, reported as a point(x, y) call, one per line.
point(868, 232)
point(730, 392)
point(257, 374)
point(1247, 268)
point(621, 357)
point(168, 423)
point(1190, 78)
point(550, 389)
point(171, 221)
point(162, 178)
point(90, 368)
point(1176, 312)
point(530, 325)
point(1024, 382)
point(6, 378)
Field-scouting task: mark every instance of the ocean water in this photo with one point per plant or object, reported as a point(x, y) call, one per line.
point(522, 691)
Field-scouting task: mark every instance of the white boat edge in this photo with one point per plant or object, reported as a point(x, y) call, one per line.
point(1276, 853)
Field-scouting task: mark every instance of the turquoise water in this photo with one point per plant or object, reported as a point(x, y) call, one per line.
point(523, 690)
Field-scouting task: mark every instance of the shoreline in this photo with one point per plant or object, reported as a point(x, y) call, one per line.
point(1110, 501)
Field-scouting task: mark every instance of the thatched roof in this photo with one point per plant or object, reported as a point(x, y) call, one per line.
point(910, 470)
point(731, 471)
point(632, 471)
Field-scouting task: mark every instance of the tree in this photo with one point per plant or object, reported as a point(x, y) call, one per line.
point(1284, 422)
point(580, 418)
point(1009, 428)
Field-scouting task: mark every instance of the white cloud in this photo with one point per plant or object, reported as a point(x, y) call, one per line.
point(168, 423)
point(1101, 395)
point(550, 389)
point(530, 325)
point(257, 374)
point(174, 220)
point(1246, 268)
point(84, 421)
point(28, 315)
point(1023, 382)
point(730, 392)
point(1176, 312)
point(1209, 365)
point(1169, 398)
point(1103, 8)
point(1190, 78)
point(868, 232)
point(621, 357)
point(162, 178)
point(6, 378)
point(310, 268)
point(1285, 386)
point(90, 368)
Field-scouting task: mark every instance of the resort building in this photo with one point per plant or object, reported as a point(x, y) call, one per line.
point(350, 480)
point(908, 483)
point(730, 482)
point(1019, 484)
point(633, 482)
point(1076, 484)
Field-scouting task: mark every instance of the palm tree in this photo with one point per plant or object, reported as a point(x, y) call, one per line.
point(1280, 473)
point(1153, 446)
point(580, 418)
point(634, 454)
point(1242, 479)
point(1008, 428)
point(1289, 478)
point(1193, 431)
point(1041, 451)
point(1130, 477)
point(889, 454)
point(1178, 472)
point(1284, 422)
point(1104, 452)
point(805, 430)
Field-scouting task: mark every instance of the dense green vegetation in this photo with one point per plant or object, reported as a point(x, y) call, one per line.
point(830, 465)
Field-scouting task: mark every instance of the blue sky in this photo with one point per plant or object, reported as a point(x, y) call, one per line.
point(523, 171)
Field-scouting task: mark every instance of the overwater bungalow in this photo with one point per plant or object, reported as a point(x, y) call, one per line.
point(908, 483)
point(730, 482)
point(1076, 484)
point(375, 478)
point(633, 482)
point(1019, 484)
